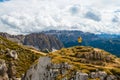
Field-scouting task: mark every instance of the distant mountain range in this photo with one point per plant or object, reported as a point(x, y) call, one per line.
point(56, 39)
point(108, 42)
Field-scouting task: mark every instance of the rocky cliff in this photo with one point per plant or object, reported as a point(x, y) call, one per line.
point(43, 42)
point(76, 63)
point(40, 41)
point(15, 59)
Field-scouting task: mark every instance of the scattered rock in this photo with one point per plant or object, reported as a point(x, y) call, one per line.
point(45, 70)
point(100, 74)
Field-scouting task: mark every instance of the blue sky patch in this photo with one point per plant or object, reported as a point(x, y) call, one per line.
point(4, 0)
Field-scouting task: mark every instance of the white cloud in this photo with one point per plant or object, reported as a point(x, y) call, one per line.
point(26, 16)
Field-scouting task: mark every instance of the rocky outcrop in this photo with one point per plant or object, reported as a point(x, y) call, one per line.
point(45, 70)
point(40, 41)
point(12, 54)
point(7, 72)
point(3, 70)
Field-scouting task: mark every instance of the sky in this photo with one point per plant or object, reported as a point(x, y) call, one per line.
point(28, 16)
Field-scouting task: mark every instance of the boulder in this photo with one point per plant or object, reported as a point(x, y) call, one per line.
point(93, 75)
point(81, 76)
point(12, 54)
point(102, 75)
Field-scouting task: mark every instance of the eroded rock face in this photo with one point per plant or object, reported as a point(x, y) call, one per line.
point(45, 70)
point(43, 42)
point(3, 70)
point(38, 71)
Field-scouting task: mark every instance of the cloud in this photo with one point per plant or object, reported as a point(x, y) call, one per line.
point(93, 15)
point(26, 16)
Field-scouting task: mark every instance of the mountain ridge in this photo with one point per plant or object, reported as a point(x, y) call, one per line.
point(68, 38)
point(40, 41)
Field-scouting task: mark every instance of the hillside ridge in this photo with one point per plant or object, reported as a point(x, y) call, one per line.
point(15, 59)
point(76, 63)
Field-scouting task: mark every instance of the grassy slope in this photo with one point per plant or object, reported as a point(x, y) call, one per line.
point(87, 59)
point(26, 56)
